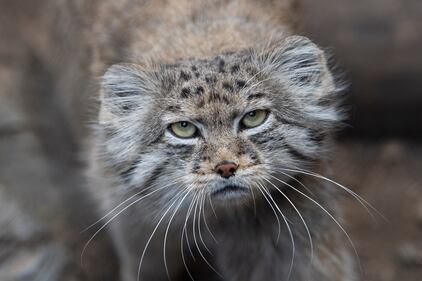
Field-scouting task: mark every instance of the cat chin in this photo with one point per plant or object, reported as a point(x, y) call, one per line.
point(230, 192)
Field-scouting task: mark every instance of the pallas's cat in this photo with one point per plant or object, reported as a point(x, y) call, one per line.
point(213, 130)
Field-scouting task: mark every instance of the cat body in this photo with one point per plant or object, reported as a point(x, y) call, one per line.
point(213, 122)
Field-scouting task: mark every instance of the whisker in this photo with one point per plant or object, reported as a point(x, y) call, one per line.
point(110, 212)
point(153, 232)
point(299, 214)
point(119, 205)
point(167, 230)
point(205, 219)
point(196, 242)
point(275, 213)
point(301, 183)
point(114, 216)
point(289, 230)
point(361, 200)
point(191, 205)
point(253, 200)
point(200, 203)
point(184, 235)
point(212, 206)
point(330, 215)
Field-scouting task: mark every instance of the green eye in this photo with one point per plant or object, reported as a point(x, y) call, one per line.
point(254, 118)
point(183, 129)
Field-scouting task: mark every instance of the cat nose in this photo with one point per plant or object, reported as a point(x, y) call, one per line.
point(226, 169)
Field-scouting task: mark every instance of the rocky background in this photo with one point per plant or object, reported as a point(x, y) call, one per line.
point(43, 206)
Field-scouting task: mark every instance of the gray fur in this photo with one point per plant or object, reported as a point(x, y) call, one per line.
point(136, 154)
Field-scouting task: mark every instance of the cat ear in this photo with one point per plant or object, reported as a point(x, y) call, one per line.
point(300, 66)
point(124, 88)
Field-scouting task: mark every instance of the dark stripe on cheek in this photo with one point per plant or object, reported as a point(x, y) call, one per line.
point(155, 174)
point(297, 154)
point(316, 136)
point(180, 146)
point(127, 174)
point(266, 132)
point(261, 139)
point(179, 152)
point(289, 122)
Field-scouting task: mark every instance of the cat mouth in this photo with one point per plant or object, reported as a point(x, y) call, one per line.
point(230, 189)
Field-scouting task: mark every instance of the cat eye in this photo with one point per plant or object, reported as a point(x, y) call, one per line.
point(183, 129)
point(254, 118)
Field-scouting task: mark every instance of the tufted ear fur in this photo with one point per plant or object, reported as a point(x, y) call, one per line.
point(124, 88)
point(300, 66)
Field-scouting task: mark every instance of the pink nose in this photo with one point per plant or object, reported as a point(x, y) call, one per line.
point(226, 169)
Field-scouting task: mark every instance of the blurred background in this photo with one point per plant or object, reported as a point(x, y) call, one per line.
point(43, 205)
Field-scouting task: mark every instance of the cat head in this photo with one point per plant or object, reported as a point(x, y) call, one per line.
point(222, 127)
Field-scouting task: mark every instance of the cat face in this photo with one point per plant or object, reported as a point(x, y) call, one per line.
point(220, 127)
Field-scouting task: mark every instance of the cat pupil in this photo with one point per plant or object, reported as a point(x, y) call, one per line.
point(252, 113)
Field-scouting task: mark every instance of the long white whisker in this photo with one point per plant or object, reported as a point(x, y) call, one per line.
point(119, 205)
point(114, 216)
point(289, 230)
point(361, 200)
point(299, 214)
point(212, 206)
point(275, 213)
point(184, 235)
point(111, 211)
point(330, 215)
point(153, 232)
point(299, 182)
point(191, 205)
point(167, 230)
point(254, 202)
point(196, 242)
point(200, 203)
point(205, 220)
